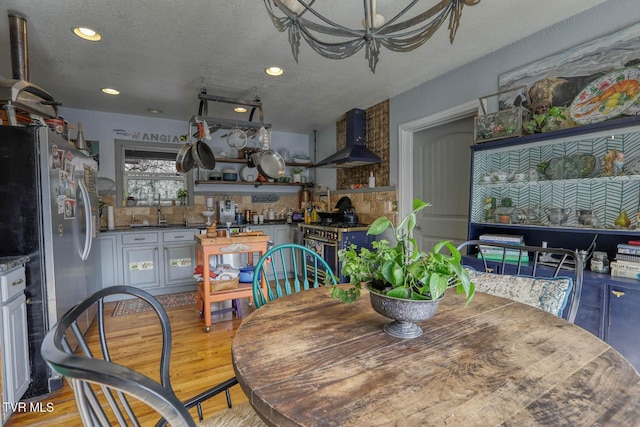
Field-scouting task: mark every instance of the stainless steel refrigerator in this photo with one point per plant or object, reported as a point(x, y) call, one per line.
point(49, 211)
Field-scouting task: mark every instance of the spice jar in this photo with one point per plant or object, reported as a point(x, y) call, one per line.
point(600, 262)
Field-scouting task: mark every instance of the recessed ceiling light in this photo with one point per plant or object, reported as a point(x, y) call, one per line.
point(274, 71)
point(87, 34)
point(110, 91)
point(240, 110)
point(154, 111)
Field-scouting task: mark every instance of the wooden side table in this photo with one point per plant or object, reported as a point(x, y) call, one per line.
point(207, 246)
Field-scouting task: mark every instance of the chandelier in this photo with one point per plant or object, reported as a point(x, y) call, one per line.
point(301, 21)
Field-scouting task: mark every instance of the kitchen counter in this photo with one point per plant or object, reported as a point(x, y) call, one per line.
point(155, 227)
point(9, 262)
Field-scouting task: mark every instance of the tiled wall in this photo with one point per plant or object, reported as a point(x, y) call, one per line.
point(188, 214)
point(369, 206)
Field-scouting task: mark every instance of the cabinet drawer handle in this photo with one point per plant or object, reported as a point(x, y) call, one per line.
point(178, 237)
point(139, 238)
point(17, 282)
point(618, 294)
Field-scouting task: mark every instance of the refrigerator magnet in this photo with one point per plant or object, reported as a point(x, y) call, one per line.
point(69, 209)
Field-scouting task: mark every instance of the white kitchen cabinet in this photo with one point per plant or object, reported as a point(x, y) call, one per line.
point(141, 259)
point(14, 340)
point(159, 261)
point(109, 257)
point(179, 254)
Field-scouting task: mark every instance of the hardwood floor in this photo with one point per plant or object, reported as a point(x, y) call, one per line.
point(199, 360)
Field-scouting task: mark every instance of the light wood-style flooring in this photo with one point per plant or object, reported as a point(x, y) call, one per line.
point(199, 360)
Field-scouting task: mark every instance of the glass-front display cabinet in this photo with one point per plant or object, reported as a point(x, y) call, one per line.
point(562, 187)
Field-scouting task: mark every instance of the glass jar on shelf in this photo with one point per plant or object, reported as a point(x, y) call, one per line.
point(600, 262)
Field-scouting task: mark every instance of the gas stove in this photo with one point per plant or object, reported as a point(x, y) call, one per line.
point(327, 239)
point(331, 230)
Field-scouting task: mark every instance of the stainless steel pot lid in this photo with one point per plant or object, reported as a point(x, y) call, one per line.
point(271, 164)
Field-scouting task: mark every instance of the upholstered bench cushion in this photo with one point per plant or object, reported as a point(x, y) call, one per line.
point(546, 293)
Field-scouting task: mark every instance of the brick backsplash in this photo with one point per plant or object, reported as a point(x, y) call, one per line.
point(368, 205)
point(190, 214)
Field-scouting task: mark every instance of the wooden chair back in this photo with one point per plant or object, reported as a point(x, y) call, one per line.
point(287, 269)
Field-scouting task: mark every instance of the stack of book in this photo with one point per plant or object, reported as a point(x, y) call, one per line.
point(493, 253)
point(627, 262)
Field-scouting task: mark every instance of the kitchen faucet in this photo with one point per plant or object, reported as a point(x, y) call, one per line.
point(160, 220)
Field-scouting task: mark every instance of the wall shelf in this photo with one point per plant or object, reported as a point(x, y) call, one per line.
point(244, 162)
point(255, 184)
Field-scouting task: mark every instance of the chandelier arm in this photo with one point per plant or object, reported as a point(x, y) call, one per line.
point(436, 22)
point(454, 20)
point(281, 23)
point(427, 14)
point(294, 41)
point(335, 50)
point(354, 44)
point(332, 28)
point(410, 43)
point(372, 54)
point(442, 8)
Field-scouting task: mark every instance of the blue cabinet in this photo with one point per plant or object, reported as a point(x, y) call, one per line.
point(623, 318)
point(590, 310)
point(609, 306)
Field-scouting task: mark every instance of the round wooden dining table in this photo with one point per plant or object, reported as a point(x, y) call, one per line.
point(310, 360)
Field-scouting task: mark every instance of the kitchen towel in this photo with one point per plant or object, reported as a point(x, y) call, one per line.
point(110, 218)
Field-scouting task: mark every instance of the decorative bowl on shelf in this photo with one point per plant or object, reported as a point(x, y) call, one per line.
point(301, 159)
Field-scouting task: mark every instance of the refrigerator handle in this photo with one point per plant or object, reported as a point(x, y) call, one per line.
point(88, 238)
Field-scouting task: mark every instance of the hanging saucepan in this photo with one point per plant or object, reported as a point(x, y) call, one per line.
point(184, 159)
point(270, 163)
point(203, 156)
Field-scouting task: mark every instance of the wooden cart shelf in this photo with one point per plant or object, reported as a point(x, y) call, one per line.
point(208, 246)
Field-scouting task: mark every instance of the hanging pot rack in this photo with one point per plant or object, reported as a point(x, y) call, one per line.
point(215, 123)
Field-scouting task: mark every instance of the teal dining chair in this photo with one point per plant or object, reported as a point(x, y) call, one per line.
point(287, 269)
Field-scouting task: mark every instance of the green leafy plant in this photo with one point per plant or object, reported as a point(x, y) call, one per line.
point(297, 170)
point(545, 122)
point(182, 196)
point(402, 270)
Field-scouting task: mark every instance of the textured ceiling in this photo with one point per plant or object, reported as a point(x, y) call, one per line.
point(158, 53)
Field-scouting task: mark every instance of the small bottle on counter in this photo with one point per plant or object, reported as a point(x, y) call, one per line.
point(289, 216)
point(372, 181)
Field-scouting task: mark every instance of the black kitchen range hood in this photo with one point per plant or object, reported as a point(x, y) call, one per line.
point(356, 152)
point(19, 96)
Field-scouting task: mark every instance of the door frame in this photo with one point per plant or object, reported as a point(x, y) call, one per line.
point(405, 147)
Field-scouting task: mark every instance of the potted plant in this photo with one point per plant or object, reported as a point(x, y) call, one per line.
point(554, 119)
point(297, 174)
point(182, 196)
point(401, 274)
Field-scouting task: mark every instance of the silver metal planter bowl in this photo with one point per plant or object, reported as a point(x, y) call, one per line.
point(404, 312)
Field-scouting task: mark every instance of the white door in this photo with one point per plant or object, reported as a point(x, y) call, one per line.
point(441, 166)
